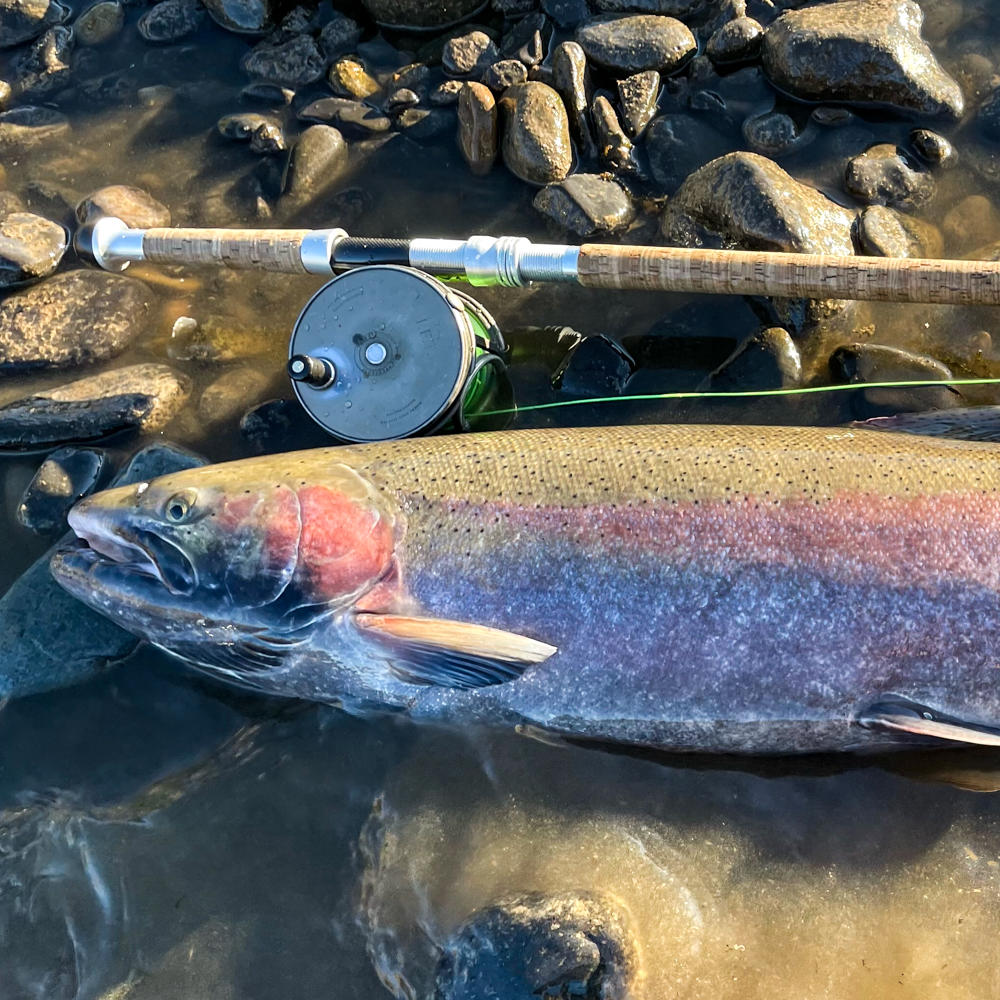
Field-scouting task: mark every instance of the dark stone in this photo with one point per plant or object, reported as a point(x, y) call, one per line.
point(505, 73)
point(585, 204)
point(316, 162)
point(30, 248)
point(100, 22)
point(339, 36)
point(23, 20)
point(423, 124)
point(677, 145)
point(527, 40)
point(446, 94)
point(71, 319)
point(673, 8)
point(874, 363)
point(420, 14)
point(477, 127)
point(67, 475)
point(571, 79)
point(292, 63)
point(268, 139)
point(536, 142)
point(613, 146)
point(634, 44)
point(861, 52)
point(268, 93)
point(135, 207)
point(988, 116)
point(77, 643)
point(141, 397)
point(637, 95)
point(281, 425)
point(469, 56)
point(767, 359)
point(45, 67)
point(401, 99)
point(241, 126)
point(564, 945)
point(885, 175)
point(245, 17)
point(171, 20)
point(736, 41)
point(933, 148)
point(883, 232)
point(597, 366)
point(566, 13)
point(773, 133)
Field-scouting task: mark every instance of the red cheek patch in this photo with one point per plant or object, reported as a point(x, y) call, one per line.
point(345, 544)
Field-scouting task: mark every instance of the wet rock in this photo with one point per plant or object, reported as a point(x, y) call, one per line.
point(45, 67)
point(77, 643)
point(446, 94)
point(859, 51)
point(477, 127)
point(227, 397)
point(30, 248)
point(933, 148)
point(414, 76)
point(736, 41)
point(597, 366)
point(354, 118)
point(245, 17)
point(135, 207)
point(281, 425)
point(171, 20)
point(677, 145)
point(67, 475)
point(613, 146)
point(883, 232)
point(772, 133)
point(23, 20)
point(468, 55)
point(141, 397)
point(100, 22)
point(563, 945)
point(885, 175)
point(674, 8)
point(349, 78)
point(291, 63)
point(566, 13)
point(875, 363)
point(767, 359)
point(975, 75)
point(988, 116)
point(974, 221)
point(424, 124)
point(401, 99)
point(571, 80)
point(536, 142)
point(585, 204)
point(339, 35)
point(637, 43)
point(268, 93)
point(71, 319)
point(268, 139)
point(637, 95)
point(419, 14)
point(241, 125)
point(9, 204)
point(505, 73)
point(48, 199)
point(316, 162)
point(528, 40)
point(832, 117)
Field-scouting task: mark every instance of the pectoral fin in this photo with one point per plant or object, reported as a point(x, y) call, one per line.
point(453, 654)
point(905, 716)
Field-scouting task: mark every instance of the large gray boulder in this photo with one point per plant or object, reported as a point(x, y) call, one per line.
point(860, 52)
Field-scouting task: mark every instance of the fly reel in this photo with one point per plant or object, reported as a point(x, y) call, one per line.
point(384, 352)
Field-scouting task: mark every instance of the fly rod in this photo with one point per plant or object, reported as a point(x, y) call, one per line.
point(514, 260)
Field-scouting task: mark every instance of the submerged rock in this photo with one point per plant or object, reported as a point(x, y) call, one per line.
point(227, 397)
point(420, 14)
point(773, 133)
point(135, 207)
point(596, 366)
point(767, 359)
point(67, 475)
point(27, 126)
point(862, 52)
point(536, 143)
point(564, 945)
point(245, 17)
point(75, 643)
point(477, 127)
point(677, 145)
point(71, 319)
point(316, 162)
point(45, 67)
point(100, 22)
point(292, 63)
point(885, 175)
point(586, 203)
point(141, 397)
point(339, 35)
point(23, 20)
point(171, 20)
point(30, 248)
point(883, 232)
point(638, 43)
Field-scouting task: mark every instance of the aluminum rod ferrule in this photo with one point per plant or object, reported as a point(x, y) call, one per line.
point(487, 260)
point(317, 249)
point(113, 245)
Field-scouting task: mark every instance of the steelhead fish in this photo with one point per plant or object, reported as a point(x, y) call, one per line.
point(730, 589)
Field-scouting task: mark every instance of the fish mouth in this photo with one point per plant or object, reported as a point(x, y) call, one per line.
point(132, 550)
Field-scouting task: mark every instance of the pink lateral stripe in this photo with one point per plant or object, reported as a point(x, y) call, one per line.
point(854, 537)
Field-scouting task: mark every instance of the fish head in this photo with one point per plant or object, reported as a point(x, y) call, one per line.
point(255, 545)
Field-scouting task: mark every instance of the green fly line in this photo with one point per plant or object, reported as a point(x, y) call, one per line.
point(742, 394)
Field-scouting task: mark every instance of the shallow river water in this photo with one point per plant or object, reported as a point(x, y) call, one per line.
point(163, 837)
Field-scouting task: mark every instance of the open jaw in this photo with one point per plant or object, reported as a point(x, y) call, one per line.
point(136, 552)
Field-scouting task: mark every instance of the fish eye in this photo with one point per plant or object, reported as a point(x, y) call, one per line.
point(177, 508)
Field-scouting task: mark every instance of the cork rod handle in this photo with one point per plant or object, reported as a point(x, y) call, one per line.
point(266, 249)
point(789, 275)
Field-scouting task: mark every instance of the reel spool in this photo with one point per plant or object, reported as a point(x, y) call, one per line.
point(385, 351)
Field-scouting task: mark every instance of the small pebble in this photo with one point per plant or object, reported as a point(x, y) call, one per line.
point(736, 41)
point(933, 148)
point(505, 73)
point(468, 55)
point(349, 78)
point(66, 476)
